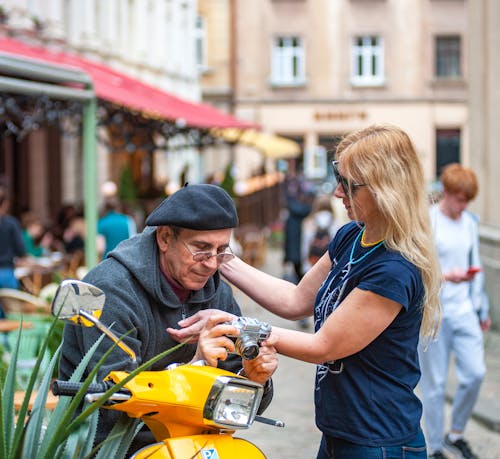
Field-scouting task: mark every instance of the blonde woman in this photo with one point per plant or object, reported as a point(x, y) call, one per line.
point(371, 295)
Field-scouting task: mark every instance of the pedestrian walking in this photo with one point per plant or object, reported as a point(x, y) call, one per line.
point(299, 206)
point(465, 316)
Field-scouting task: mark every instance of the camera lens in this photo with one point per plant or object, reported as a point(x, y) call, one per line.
point(250, 352)
point(247, 348)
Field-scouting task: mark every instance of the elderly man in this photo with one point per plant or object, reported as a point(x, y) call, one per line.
point(163, 276)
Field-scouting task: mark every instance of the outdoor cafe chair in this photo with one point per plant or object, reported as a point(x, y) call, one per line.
point(23, 306)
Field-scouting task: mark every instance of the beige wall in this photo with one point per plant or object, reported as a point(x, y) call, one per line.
point(484, 18)
point(407, 27)
point(485, 103)
point(216, 78)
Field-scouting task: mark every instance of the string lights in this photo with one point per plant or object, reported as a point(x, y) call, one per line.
point(21, 114)
point(125, 130)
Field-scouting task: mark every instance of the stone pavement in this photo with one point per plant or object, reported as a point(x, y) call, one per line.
point(294, 383)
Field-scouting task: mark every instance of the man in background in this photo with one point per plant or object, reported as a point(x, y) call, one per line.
point(465, 316)
point(114, 225)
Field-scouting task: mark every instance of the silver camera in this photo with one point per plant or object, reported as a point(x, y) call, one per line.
point(252, 333)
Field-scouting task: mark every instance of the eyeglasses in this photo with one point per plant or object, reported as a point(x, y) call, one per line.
point(222, 257)
point(346, 184)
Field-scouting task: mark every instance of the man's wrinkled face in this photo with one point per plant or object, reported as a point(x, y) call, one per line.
point(176, 254)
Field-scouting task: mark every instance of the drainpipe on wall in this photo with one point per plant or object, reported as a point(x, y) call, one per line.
point(20, 80)
point(233, 54)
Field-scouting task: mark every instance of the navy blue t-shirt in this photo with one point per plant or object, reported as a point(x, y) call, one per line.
point(368, 398)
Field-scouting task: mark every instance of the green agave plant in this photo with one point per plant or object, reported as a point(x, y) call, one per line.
point(69, 431)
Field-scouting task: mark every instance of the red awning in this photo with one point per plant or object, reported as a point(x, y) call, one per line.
point(123, 90)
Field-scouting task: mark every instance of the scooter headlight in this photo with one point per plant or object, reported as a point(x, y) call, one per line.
point(232, 403)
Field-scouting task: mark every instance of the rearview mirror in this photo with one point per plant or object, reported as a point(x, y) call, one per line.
point(82, 303)
point(74, 296)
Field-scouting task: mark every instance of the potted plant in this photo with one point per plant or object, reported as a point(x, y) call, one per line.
point(68, 431)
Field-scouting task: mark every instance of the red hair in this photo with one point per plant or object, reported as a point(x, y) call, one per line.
point(459, 179)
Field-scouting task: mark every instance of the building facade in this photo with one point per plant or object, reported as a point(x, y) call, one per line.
point(217, 62)
point(150, 40)
point(313, 70)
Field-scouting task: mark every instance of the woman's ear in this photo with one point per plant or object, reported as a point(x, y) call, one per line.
point(163, 235)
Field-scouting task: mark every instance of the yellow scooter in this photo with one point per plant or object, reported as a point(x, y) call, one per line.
point(192, 410)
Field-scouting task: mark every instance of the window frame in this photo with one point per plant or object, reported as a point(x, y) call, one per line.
point(288, 62)
point(315, 162)
point(200, 38)
point(451, 61)
point(372, 72)
point(448, 143)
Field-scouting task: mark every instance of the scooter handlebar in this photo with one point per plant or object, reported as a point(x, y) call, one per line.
point(70, 388)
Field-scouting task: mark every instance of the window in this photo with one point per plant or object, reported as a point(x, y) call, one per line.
point(367, 61)
point(288, 62)
point(201, 44)
point(315, 162)
point(447, 148)
point(448, 57)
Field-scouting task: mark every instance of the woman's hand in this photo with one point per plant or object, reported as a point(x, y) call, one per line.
point(192, 326)
point(265, 364)
point(213, 344)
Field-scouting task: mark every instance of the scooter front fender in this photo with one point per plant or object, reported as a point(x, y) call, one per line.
point(216, 446)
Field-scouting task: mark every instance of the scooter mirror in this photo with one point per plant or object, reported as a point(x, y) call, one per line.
point(82, 303)
point(73, 296)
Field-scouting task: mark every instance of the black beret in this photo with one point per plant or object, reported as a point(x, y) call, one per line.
point(199, 207)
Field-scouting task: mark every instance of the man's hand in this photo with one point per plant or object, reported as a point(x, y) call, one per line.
point(213, 344)
point(459, 275)
point(485, 324)
point(192, 326)
point(264, 365)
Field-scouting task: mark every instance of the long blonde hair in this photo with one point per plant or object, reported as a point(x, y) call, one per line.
point(384, 158)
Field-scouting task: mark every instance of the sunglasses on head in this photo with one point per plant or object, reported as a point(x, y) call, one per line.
point(347, 185)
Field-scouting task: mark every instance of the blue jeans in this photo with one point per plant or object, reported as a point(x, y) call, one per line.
point(335, 448)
